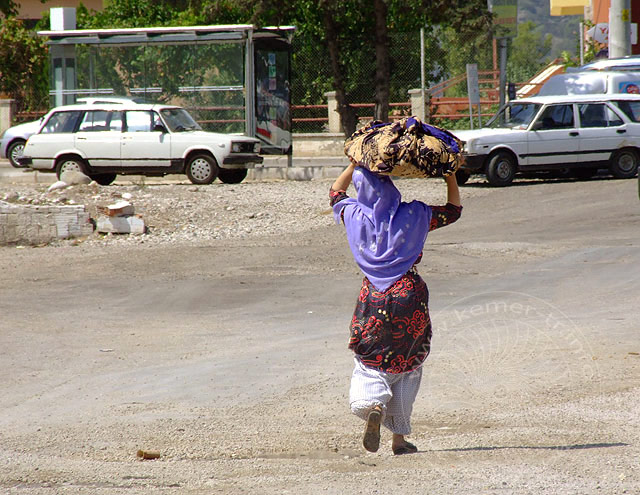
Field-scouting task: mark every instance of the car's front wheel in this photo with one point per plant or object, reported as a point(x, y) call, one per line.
point(624, 164)
point(70, 164)
point(202, 169)
point(232, 176)
point(501, 169)
point(14, 150)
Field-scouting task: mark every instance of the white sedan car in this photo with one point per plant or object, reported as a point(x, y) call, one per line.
point(142, 139)
point(576, 134)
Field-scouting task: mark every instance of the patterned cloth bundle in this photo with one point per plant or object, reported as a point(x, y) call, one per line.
point(406, 148)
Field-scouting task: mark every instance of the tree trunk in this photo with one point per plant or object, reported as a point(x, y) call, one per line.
point(383, 66)
point(347, 113)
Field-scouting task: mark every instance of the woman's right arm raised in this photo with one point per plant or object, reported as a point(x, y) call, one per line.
point(344, 179)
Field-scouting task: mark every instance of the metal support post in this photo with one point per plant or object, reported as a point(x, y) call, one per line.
point(422, 74)
point(503, 70)
point(249, 87)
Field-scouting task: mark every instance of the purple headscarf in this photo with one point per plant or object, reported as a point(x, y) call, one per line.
point(386, 236)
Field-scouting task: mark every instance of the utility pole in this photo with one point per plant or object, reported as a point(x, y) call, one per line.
point(619, 28)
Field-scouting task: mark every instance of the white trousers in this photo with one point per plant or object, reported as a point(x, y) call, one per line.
point(395, 392)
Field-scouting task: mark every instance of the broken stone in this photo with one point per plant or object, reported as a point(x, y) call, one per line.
point(57, 186)
point(118, 209)
point(121, 208)
point(74, 177)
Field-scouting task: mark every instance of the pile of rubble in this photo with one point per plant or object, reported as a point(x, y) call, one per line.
point(179, 213)
point(48, 219)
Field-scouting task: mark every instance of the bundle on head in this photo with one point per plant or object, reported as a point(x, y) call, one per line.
point(406, 148)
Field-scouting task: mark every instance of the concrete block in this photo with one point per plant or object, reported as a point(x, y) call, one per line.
point(12, 218)
point(301, 173)
point(10, 234)
point(62, 18)
point(120, 225)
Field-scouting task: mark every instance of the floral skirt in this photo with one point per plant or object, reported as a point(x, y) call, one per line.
point(391, 330)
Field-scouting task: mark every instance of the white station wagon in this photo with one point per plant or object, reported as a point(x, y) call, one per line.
point(572, 134)
point(142, 139)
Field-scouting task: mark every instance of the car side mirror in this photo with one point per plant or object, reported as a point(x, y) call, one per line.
point(160, 128)
point(537, 126)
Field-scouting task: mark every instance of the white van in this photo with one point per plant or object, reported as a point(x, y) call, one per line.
point(592, 83)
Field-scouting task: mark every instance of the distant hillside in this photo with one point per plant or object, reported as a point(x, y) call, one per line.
point(564, 29)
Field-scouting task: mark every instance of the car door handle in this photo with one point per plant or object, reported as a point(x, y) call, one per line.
point(81, 138)
point(621, 131)
point(574, 133)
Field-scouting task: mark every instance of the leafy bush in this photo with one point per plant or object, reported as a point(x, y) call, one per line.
point(24, 66)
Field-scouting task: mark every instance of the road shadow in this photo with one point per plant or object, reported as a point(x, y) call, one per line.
point(529, 181)
point(584, 446)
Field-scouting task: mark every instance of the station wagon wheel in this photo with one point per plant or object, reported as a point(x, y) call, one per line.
point(70, 164)
point(233, 175)
point(14, 150)
point(202, 169)
point(501, 169)
point(624, 164)
point(104, 179)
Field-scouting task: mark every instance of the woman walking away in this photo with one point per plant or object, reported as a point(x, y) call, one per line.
point(390, 328)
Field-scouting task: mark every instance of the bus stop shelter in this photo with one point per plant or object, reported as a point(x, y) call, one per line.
point(232, 78)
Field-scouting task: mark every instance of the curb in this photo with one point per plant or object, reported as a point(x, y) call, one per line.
point(273, 168)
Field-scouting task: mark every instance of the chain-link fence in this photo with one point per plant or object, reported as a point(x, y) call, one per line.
point(446, 55)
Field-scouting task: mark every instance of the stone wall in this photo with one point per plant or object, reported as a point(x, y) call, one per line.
point(26, 224)
point(6, 114)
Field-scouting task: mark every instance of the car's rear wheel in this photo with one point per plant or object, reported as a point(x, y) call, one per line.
point(202, 169)
point(501, 169)
point(624, 164)
point(232, 176)
point(14, 150)
point(462, 177)
point(71, 164)
point(104, 179)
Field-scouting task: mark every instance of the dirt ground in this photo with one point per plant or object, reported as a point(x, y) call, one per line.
point(229, 358)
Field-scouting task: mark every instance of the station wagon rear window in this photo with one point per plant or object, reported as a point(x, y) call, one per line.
point(101, 120)
point(630, 108)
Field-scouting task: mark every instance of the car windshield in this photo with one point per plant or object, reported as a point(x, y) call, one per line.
point(514, 115)
point(179, 120)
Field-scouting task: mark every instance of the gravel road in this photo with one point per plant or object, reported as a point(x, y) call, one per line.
point(218, 340)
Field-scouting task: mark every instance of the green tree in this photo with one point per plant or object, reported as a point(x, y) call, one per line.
point(24, 66)
point(527, 52)
point(356, 32)
point(8, 8)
